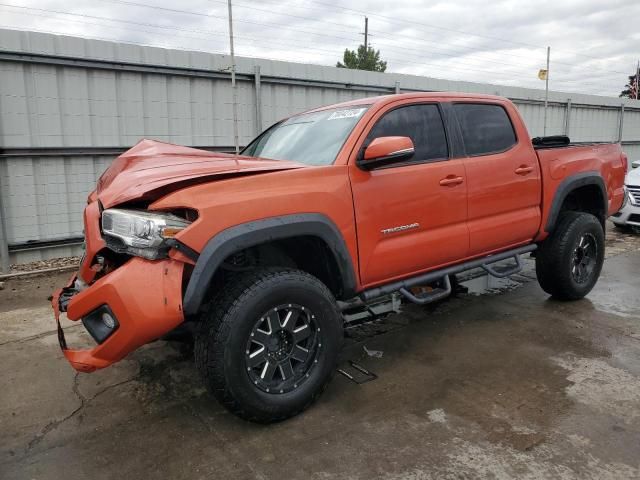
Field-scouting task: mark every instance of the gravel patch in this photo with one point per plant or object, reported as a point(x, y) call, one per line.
point(43, 264)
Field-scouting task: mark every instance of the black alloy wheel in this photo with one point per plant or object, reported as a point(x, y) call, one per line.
point(283, 348)
point(584, 258)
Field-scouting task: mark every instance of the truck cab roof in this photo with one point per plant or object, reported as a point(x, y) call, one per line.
point(385, 99)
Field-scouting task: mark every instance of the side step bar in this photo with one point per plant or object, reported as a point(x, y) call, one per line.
point(403, 286)
point(504, 271)
point(432, 296)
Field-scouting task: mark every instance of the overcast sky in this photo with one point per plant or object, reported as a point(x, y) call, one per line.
point(595, 44)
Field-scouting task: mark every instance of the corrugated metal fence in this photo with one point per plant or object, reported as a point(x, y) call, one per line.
point(69, 105)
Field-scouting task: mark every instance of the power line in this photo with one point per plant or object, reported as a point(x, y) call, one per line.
point(117, 40)
point(275, 25)
point(286, 27)
point(396, 20)
point(139, 43)
point(96, 17)
point(261, 41)
point(100, 24)
point(422, 24)
point(280, 27)
point(84, 22)
point(251, 39)
point(300, 17)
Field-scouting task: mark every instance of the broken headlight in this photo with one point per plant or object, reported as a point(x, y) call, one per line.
point(140, 232)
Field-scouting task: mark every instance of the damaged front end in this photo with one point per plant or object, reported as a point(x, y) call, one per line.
point(128, 290)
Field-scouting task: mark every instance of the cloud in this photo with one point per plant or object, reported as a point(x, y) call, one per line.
point(593, 43)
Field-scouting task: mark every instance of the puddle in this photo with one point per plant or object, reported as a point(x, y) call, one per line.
point(477, 283)
point(613, 307)
point(487, 284)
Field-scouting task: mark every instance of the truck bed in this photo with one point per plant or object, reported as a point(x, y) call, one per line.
point(559, 162)
point(561, 141)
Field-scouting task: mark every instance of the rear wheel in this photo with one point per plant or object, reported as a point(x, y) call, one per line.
point(569, 262)
point(270, 343)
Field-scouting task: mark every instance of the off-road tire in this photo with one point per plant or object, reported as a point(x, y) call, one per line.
point(223, 333)
point(556, 257)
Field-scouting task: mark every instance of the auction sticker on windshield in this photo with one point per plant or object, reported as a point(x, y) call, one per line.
point(351, 113)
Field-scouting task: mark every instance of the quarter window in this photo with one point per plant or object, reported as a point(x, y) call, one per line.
point(422, 123)
point(485, 128)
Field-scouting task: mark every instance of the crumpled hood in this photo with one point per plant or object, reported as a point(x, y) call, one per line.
point(151, 169)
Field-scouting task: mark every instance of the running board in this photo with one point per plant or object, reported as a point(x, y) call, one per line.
point(403, 286)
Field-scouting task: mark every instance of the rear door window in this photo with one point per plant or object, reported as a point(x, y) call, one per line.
point(485, 128)
point(422, 123)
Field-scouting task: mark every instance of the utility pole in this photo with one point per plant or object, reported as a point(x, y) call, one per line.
point(546, 94)
point(4, 244)
point(637, 79)
point(366, 33)
point(234, 89)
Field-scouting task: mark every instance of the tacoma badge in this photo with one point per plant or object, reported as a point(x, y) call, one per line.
point(400, 228)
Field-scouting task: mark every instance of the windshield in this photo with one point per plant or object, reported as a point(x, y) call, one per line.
point(311, 138)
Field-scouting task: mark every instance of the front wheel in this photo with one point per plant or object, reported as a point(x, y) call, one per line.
point(569, 262)
point(270, 343)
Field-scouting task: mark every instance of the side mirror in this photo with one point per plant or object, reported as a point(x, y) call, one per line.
point(385, 150)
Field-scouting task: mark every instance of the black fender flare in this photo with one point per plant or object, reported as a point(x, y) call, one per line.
point(568, 185)
point(245, 235)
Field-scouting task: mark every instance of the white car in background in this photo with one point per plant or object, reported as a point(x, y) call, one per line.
point(629, 214)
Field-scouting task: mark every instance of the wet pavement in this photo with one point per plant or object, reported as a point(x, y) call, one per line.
point(499, 383)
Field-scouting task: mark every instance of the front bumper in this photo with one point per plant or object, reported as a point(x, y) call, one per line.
point(144, 296)
point(627, 215)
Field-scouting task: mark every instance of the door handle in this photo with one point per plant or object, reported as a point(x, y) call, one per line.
point(451, 181)
point(524, 170)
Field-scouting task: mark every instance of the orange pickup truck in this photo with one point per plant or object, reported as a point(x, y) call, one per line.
point(330, 215)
